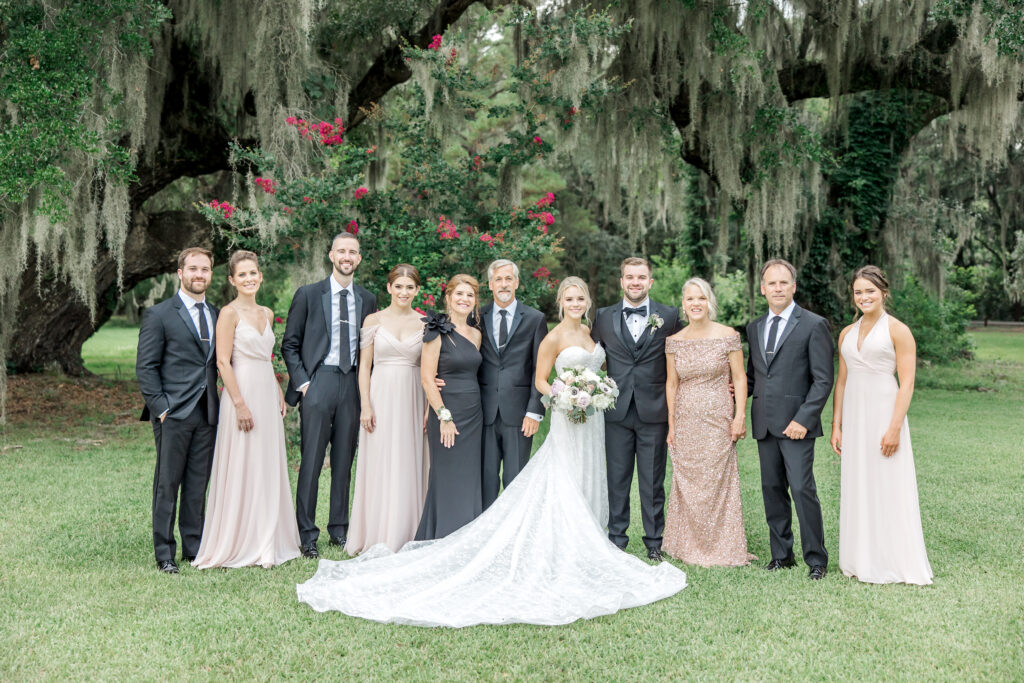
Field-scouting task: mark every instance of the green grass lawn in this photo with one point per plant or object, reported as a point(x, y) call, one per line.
point(80, 596)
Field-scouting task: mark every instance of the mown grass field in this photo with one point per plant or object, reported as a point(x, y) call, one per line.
point(80, 596)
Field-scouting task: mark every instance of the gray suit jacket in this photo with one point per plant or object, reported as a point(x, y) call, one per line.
point(307, 332)
point(797, 382)
point(172, 369)
point(506, 375)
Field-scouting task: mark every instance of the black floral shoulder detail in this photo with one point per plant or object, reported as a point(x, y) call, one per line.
point(436, 324)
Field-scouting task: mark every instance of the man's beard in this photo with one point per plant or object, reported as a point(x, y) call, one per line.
point(635, 301)
point(190, 286)
point(340, 268)
point(504, 296)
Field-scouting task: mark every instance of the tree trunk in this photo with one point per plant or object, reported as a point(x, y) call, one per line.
point(52, 320)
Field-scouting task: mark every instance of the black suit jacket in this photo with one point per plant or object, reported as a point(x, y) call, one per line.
point(506, 376)
point(799, 379)
point(170, 364)
point(638, 369)
point(307, 333)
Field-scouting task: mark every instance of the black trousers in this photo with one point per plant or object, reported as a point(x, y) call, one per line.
point(787, 466)
point(506, 452)
point(329, 414)
point(630, 442)
point(184, 459)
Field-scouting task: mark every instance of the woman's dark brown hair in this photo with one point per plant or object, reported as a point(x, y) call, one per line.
point(404, 270)
point(239, 256)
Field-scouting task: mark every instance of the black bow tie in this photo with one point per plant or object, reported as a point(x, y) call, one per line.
point(642, 311)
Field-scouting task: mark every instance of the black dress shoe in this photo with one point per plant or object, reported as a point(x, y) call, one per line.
point(655, 554)
point(817, 573)
point(188, 558)
point(309, 550)
point(338, 540)
point(780, 564)
point(167, 566)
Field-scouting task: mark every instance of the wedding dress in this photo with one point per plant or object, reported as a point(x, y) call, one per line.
point(539, 555)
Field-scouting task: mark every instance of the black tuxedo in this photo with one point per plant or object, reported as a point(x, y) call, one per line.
point(177, 374)
point(636, 429)
point(792, 386)
point(507, 393)
point(330, 408)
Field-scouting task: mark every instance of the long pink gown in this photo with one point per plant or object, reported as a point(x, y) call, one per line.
point(391, 467)
point(880, 535)
point(704, 524)
point(250, 519)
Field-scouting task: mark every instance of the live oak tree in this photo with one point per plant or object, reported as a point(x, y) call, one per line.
point(109, 102)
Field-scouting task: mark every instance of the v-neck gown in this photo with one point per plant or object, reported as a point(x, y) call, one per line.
point(880, 535)
point(250, 519)
point(391, 467)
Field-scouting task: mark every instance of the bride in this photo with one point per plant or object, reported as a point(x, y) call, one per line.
point(538, 555)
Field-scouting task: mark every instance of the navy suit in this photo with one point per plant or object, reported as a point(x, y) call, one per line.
point(508, 392)
point(793, 385)
point(177, 374)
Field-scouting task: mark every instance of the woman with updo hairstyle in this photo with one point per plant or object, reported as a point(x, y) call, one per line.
point(391, 469)
point(704, 520)
point(250, 519)
point(451, 352)
point(880, 534)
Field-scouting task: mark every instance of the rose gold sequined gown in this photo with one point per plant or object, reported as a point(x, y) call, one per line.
point(704, 524)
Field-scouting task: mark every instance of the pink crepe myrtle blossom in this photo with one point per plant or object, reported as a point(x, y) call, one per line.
point(361, 192)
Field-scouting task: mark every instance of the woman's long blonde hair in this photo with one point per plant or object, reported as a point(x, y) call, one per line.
point(573, 281)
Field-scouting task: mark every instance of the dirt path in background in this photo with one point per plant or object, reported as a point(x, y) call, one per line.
point(46, 400)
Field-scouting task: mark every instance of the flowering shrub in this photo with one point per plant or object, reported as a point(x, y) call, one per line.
point(436, 209)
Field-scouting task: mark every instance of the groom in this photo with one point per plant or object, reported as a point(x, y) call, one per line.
point(321, 349)
point(789, 377)
point(511, 403)
point(633, 334)
point(177, 373)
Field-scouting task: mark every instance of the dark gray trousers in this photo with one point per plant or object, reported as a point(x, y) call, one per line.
point(329, 414)
point(787, 466)
point(506, 452)
point(627, 443)
point(184, 458)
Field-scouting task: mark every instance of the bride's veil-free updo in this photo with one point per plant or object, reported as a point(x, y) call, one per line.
point(573, 281)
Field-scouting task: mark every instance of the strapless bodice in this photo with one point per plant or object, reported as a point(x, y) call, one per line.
point(577, 356)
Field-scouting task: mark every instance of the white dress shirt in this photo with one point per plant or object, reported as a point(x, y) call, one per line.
point(786, 313)
point(190, 305)
point(496, 326)
point(496, 320)
point(636, 323)
point(351, 325)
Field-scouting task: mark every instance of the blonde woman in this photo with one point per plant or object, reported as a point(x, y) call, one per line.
point(704, 524)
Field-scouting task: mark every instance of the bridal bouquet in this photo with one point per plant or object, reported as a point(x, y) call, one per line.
point(580, 392)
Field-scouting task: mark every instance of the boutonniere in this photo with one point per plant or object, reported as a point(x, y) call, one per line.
point(655, 322)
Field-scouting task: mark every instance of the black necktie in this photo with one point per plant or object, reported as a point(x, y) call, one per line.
point(642, 311)
point(344, 345)
point(769, 349)
point(503, 329)
point(204, 329)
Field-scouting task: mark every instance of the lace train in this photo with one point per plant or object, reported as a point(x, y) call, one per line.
point(538, 555)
